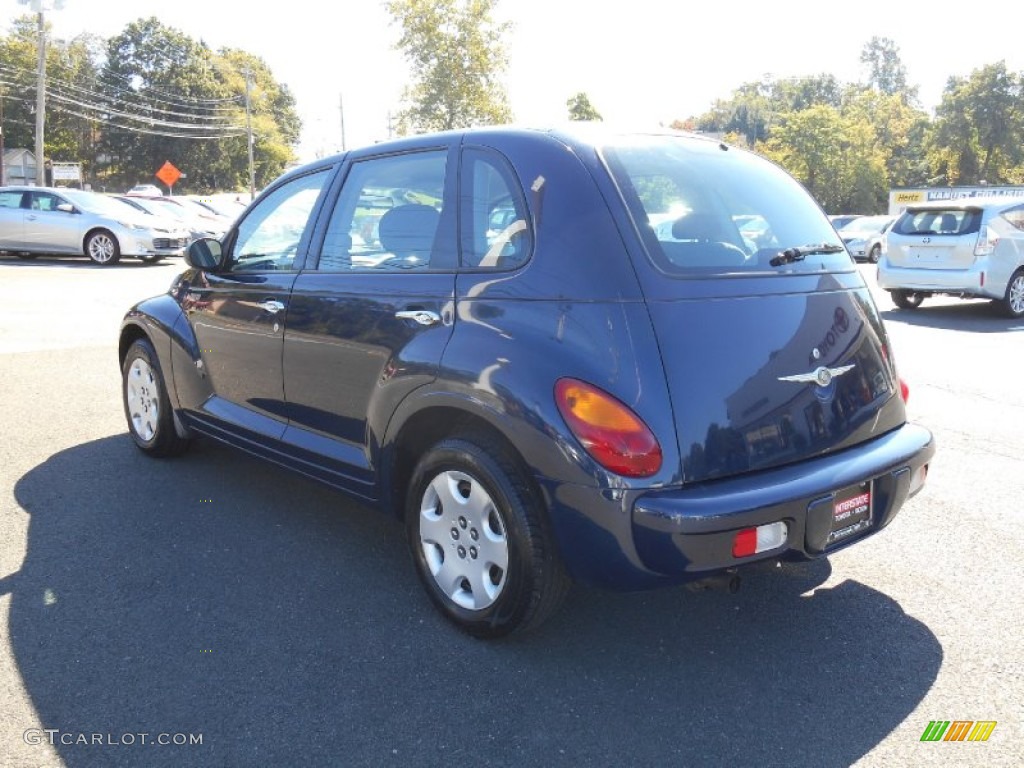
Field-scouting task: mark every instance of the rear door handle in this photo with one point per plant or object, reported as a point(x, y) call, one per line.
point(271, 306)
point(421, 316)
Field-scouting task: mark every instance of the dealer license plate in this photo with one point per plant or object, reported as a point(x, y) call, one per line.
point(851, 513)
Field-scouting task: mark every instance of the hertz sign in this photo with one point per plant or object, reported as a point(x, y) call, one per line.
point(899, 199)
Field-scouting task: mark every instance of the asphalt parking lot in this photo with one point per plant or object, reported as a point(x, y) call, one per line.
point(217, 596)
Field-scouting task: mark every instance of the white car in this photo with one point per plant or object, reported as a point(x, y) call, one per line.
point(967, 248)
point(863, 236)
point(37, 220)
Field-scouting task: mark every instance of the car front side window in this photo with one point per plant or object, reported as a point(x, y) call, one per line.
point(268, 238)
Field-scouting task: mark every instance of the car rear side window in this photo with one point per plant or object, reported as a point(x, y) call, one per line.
point(705, 208)
point(938, 221)
point(494, 228)
point(10, 199)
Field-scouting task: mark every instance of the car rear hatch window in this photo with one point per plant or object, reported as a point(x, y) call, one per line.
point(769, 362)
point(935, 238)
point(708, 209)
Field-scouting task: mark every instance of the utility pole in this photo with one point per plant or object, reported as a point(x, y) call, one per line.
point(3, 180)
point(341, 109)
point(39, 6)
point(40, 99)
point(248, 130)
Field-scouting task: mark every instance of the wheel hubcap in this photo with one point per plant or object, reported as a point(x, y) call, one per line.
point(142, 395)
point(101, 248)
point(463, 540)
point(1017, 295)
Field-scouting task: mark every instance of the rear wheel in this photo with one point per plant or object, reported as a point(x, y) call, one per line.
point(478, 541)
point(146, 405)
point(1012, 304)
point(907, 299)
point(102, 247)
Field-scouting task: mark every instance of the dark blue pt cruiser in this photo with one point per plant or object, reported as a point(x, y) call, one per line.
point(629, 360)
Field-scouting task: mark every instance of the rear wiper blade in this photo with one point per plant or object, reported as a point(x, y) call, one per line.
point(797, 253)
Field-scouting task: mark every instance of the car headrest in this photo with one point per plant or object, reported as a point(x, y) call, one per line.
point(409, 230)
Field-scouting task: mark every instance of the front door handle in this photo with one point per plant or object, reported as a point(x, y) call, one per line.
point(271, 306)
point(421, 316)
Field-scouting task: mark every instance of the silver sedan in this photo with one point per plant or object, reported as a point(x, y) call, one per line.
point(36, 220)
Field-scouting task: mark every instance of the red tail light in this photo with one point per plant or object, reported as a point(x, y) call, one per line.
point(610, 432)
point(904, 390)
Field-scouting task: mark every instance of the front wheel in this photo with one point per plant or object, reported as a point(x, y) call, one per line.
point(479, 542)
point(875, 254)
point(146, 405)
point(1012, 303)
point(907, 299)
point(102, 247)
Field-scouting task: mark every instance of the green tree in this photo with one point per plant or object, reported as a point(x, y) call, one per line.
point(753, 107)
point(169, 97)
point(275, 123)
point(886, 72)
point(455, 50)
point(833, 156)
point(581, 109)
point(165, 102)
point(899, 135)
point(979, 128)
point(71, 72)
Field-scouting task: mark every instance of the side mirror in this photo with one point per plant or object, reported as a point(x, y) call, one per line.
point(66, 207)
point(205, 253)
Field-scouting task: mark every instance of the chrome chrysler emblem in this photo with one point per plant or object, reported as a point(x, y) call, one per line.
point(821, 376)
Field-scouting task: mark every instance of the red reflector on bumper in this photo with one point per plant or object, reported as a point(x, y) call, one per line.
point(745, 543)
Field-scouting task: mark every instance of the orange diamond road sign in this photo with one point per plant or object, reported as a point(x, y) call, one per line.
point(168, 174)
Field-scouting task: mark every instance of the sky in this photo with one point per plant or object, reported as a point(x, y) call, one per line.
point(641, 62)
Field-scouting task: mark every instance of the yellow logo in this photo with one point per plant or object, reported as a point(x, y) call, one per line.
point(909, 197)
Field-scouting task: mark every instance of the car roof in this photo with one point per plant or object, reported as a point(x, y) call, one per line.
point(571, 133)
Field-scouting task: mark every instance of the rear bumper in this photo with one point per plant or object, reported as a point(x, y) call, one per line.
point(967, 282)
point(689, 532)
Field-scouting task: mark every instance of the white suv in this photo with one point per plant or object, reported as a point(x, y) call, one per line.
point(968, 248)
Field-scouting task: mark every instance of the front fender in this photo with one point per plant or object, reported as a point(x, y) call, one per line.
point(162, 321)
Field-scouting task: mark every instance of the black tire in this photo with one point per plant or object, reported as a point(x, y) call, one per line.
point(102, 247)
point(1012, 303)
point(147, 408)
point(907, 299)
point(875, 254)
point(531, 586)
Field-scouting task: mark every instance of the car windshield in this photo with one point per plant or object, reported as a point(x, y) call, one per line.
point(713, 209)
point(95, 203)
point(865, 226)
